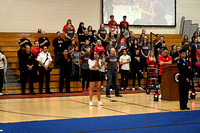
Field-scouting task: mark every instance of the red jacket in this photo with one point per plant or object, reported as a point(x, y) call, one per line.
point(163, 59)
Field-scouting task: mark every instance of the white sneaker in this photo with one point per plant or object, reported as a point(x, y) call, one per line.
point(1, 94)
point(127, 88)
point(91, 103)
point(140, 88)
point(99, 103)
point(111, 89)
point(122, 88)
point(133, 89)
point(160, 96)
point(101, 87)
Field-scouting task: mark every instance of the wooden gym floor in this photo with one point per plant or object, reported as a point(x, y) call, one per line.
point(36, 109)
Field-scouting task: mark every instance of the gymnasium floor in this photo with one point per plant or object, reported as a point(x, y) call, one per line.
point(69, 109)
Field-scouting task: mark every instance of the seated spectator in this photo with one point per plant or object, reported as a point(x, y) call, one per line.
point(121, 26)
point(85, 46)
point(124, 61)
point(69, 21)
point(75, 64)
point(59, 46)
point(158, 46)
point(144, 51)
point(108, 48)
point(113, 28)
point(174, 47)
point(43, 41)
point(122, 45)
point(136, 68)
point(65, 63)
point(113, 39)
point(80, 32)
point(185, 43)
point(102, 34)
point(71, 47)
point(176, 55)
point(24, 41)
point(69, 35)
point(99, 47)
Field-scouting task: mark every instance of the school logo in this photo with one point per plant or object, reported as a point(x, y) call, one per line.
point(176, 77)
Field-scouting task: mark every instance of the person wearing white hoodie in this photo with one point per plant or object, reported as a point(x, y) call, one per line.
point(3, 69)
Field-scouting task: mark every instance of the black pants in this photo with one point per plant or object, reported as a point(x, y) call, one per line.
point(183, 93)
point(144, 64)
point(134, 72)
point(57, 55)
point(27, 76)
point(64, 75)
point(124, 73)
point(42, 73)
point(85, 77)
point(1, 79)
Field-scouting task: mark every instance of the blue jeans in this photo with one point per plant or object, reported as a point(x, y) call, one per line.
point(75, 72)
point(112, 80)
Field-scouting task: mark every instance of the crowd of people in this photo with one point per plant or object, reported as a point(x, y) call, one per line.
point(97, 53)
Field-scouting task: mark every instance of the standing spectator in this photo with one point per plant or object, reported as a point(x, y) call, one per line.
point(122, 36)
point(102, 70)
point(85, 69)
point(121, 26)
point(136, 68)
point(113, 28)
point(3, 69)
point(112, 66)
point(176, 55)
point(144, 51)
point(125, 29)
point(185, 43)
point(24, 41)
point(43, 41)
point(195, 35)
point(133, 47)
point(113, 39)
point(164, 59)
point(76, 64)
point(69, 35)
point(80, 32)
point(95, 77)
point(44, 59)
point(162, 48)
point(69, 21)
point(121, 47)
point(71, 47)
point(195, 47)
point(151, 60)
point(144, 33)
point(59, 46)
point(102, 34)
point(27, 72)
point(125, 68)
point(85, 46)
point(86, 37)
point(131, 40)
point(99, 47)
point(158, 46)
point(110, 23)
point(108, 48)
point(65, 63)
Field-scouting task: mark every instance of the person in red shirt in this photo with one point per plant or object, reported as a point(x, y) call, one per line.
point(36, 50)
point(198, 54)
point(99, 47)
point(121, 26)
point(69, 21)
point(151, 60)
point(164, 59)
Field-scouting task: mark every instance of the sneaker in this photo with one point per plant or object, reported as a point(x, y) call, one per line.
point(1, 94)
point(160, 96)
point(99, 103)
point(118, 95)
point(111, 89)
point(108, 96)
point(133, 89)
point(140, 88)
point(90, 103)
point(84, 91)
point(122, 88)
point(127, 89)
point(87, 90)
point(101, 87)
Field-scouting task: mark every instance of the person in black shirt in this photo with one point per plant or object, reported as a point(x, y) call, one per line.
point(102, 34)
point(65, 63)
point(158, 45)
point(86, 37)
point(136, 68)
point(156, 41)
point(43, 40)
point(176, 55)
point(69, 35)
point(185, 43)
point(80, 32)
point(24, 41)
point(27, 69)
point(59, 45)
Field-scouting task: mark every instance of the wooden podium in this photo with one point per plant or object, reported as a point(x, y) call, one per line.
point(169, 87)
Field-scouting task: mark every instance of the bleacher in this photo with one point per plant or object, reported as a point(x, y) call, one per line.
point(9, 45)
